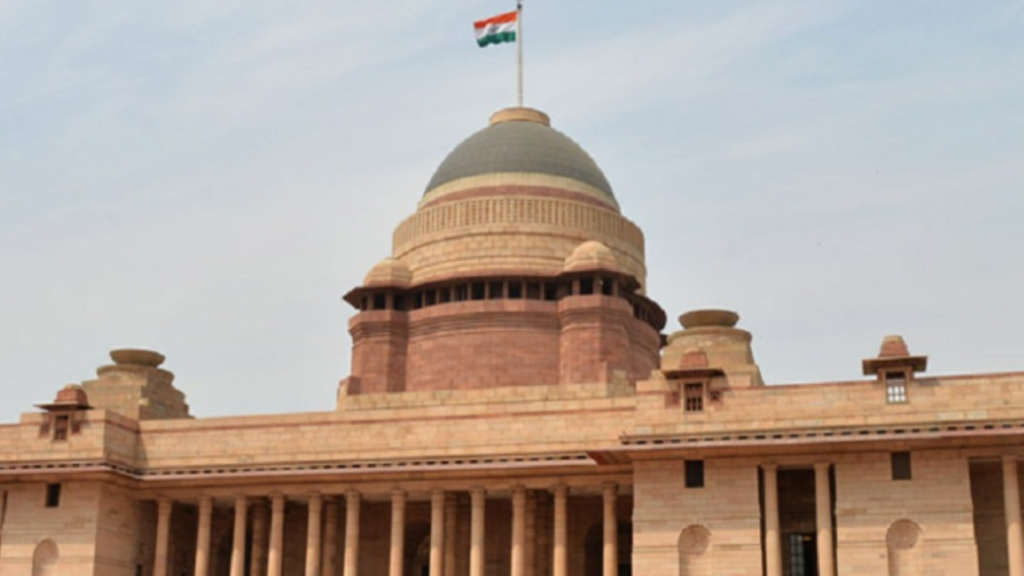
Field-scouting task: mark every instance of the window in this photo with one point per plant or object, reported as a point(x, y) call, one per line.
point(901, 466)
point(896, 387)
point(550, 291)
point(694, 473)
point(515, 290)
point(586, 286)
point(694, 393)
point(61, 427)
point(803, 554)
point(52, 495)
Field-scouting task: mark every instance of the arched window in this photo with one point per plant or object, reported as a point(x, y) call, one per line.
point(903, 542)
point(44, 560)
point(694, 560)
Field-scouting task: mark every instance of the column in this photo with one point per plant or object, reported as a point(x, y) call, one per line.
point(518, 531)
point(352, 502)
point(772, 543)
point(823, 508)
point(329, 564)
point(163, 536)
point(238, 537)
point(436, 532)
point(478, 502)
point(313, 526)
point(1011, 500)
point(530, 551)
point(611, 531)
point(561, 555)
point(275, 558)
point(258, 566)
point(398, 502)
point(450, 510)
point(203, 536)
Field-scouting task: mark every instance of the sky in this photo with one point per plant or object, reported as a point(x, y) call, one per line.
point(207, 179)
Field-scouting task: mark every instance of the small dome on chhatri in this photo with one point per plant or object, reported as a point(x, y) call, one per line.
point(521, 140)
point(389, 272)
point(591, 255)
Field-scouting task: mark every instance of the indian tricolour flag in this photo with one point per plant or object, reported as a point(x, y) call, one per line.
point(501, 28)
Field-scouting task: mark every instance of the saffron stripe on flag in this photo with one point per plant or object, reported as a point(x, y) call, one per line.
point(499, 19)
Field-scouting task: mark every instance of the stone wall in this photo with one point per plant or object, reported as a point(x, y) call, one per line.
point(710, 531)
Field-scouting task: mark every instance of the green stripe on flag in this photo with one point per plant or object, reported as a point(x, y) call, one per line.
point(496, 38)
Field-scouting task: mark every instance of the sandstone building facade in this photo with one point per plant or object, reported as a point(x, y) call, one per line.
point(514, 408)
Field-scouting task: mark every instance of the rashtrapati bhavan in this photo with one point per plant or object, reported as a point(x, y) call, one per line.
point(517, 407)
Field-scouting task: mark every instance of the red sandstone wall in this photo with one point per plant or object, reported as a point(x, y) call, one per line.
point(486, 343)
point(594, 342)
point(379, 344)
point(481, 344)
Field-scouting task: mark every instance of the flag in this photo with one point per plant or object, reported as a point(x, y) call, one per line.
point(501, 28)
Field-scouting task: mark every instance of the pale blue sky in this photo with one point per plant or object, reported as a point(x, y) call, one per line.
point(208, 178)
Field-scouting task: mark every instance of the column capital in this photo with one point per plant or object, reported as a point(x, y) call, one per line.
point(560, 489)
point(478, 491)
point(609, 489)
point(1009, 458)
point(437, 496)
point(205, 501)
point(277, 501)
point(770, 466)
point(316, 500)
point(399, 495)
point(822, 465)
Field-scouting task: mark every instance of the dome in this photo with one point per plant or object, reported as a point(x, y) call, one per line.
point(521, 140)
point(389, 272)
point(589, 256)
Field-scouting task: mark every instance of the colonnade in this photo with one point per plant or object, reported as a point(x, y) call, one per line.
point(823, 520)
point(323, 519)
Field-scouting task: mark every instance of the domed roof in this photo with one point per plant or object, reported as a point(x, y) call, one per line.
point(590, 256)
point(389, 272)
point(521, 140)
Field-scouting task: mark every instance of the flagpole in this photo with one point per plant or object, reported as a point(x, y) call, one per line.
point(519, 46)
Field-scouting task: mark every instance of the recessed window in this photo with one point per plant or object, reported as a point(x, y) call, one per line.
point(495, 291)
point(694, 395)
point(515, 290)
point(533, 290)
point(694, 473)
point(478, 290)
point(901, 466)
point(586, 286)
point(379, 302)
point(896, 387)
point(52, 495)
point(607, 286)
point(61, 427)
point(399, 301)
point(550, 291)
